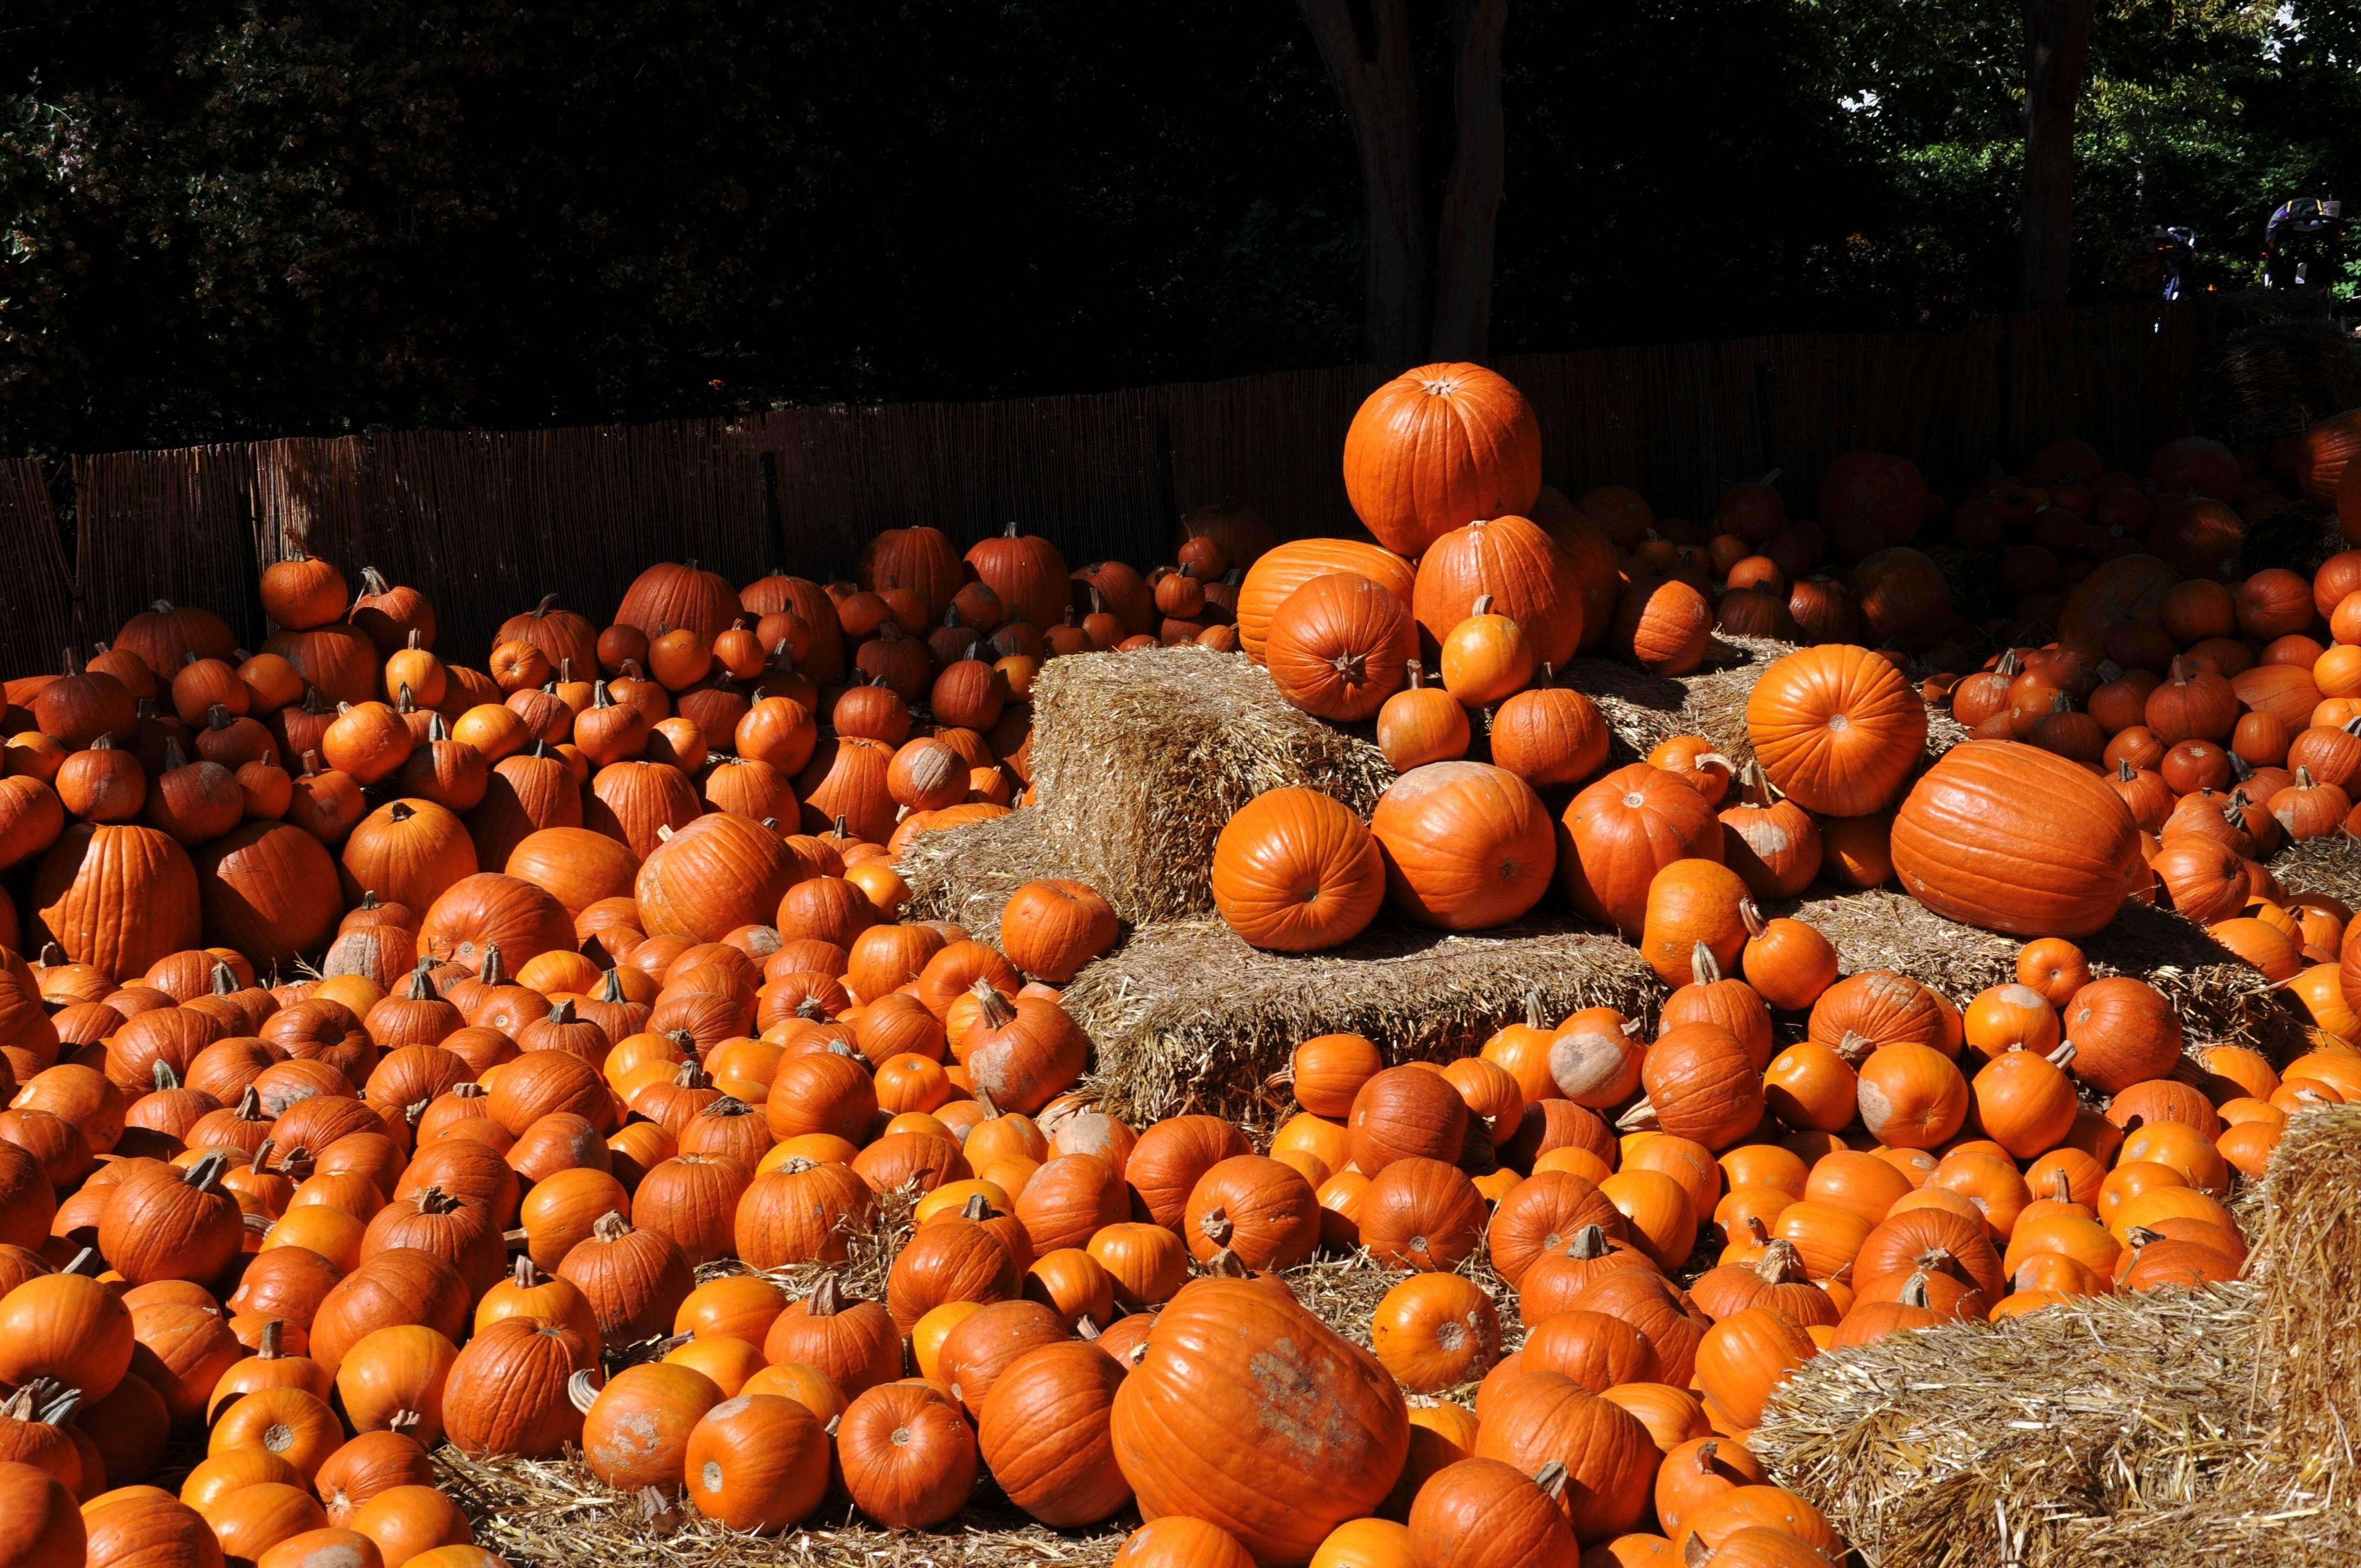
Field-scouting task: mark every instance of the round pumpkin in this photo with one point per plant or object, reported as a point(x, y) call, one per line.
point(1294, 871)
point(1467, 845)
point(1438, 447)
point(1837, 728)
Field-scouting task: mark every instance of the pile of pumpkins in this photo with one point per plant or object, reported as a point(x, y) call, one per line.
point(614, 988)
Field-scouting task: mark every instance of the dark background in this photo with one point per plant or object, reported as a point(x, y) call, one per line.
point(223, 221)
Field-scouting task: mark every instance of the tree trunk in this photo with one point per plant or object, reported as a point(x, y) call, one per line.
point(1376, 79)
point(1471, 203)
point(2056, 52)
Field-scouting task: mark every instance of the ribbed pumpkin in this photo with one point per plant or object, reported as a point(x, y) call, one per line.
point(1837, 728)
point(1207, 1424)
point(1510, 561)
point(1046, 1431)
point(717, 873)
point(1296, 872)
point(1275, 576)
point(1467, 845)
point(1438, 447)
point(116, 898)
point(2012, 838)
point(1620, 831)
point(1338, 646)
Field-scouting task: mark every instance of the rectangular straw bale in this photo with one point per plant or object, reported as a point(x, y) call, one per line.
point(2330, 865)
point(2220, 998)
point(1187, 1017)
point(2168, 1429)
point(965, 873)
point(1139, 760)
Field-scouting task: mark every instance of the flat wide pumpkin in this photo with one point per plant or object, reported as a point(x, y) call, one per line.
point(2013, 838)
point(1246, 1412)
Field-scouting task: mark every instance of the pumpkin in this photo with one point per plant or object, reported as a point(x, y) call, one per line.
point(1295, 872)
point(1465, 845)
point(1702, 1084)
point(41, 1527)
point(2125, 1031)
point(1514, 565)
point(907, 1456)
point(635, 1433)
point(506, 1392)
point(1027, 573)
point(1617, 833)
point(1837, 728)
point(635, 1279)
point(1548, 734)
point(1051, 928)
point(1435, 1331)
point(177, 1225)
point(717, 873)
point(1046, 1431)
point(1279, 573)
point(1536, 1419)
point(1693, 904)
point(1201, 1424)
point(2012, 838)
point(1662, 625)
point(1483, 1512)
point(1911, 1096)
point(118, 898)
point(757, 1462)
point(1435, 448)
point(1404, 1113)
point(1339, 645)
point(1421, 725)
point(65, 1326)
point(1903, 595)
point(1746, 1356)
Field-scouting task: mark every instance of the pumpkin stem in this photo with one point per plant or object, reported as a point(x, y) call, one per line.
point(525, 1277)
point(163, 1077)
point(470, 1090)
point(1641, 1118)
point(1757, 1232)
point(827, 1299)
point(1550, 1478)
point(727, 1105)
point(1704, 969)
point(2140, 1236)
point(491, 972)
point(206, 1173)
point(422, 983)
point(434, 1201)
point(1215, 1225)
point(1589, 1243)
point(86, 1261)
point(1751, 914)
point(561, 1012)
point(610, 1227)
point(274, 1334)
point(991, 1106)
point(2061, 1187)
point(2060, 1058)
point(977, 1208)
point(1855, 1047)
point(1418, 681)
point(1913, 1289)
point(1781, 1264)
point(582, 1390)
point(1227, 1264)
point(996, 1012)
point(1086, 1330)
point(2303, 779)
point(249, 1106)
point(1697, 1554)
point(403, 1423)
point(2124, 773)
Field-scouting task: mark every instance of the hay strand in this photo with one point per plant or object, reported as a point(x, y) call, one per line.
point(2330, 865)
point(965, 875)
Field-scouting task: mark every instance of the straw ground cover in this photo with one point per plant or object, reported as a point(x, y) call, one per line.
point(2170, 1427)
point(1187, 1017)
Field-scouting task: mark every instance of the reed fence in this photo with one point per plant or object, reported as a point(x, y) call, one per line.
point(489, 521)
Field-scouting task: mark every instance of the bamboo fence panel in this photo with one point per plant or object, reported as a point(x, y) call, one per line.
point(38, 584)
point(488, 522)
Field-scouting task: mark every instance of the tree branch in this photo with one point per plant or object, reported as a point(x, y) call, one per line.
point(1471, 202)
point(1379, 92)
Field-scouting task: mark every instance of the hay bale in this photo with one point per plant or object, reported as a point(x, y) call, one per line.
point(2308, 1257)
point(2213, 1426)
point(1974, 1445)
point(1187, 1017)
point(2220, 998)
point(966, 874)
point(2330, 865)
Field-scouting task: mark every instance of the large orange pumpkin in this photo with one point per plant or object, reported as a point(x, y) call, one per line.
point(1467, 845)
point(2014, 839)
point(717, 873)
point(1836, 728)
point(1294, 871)
point(116, 898)
point(1246, 1412)
point(1439, 446)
